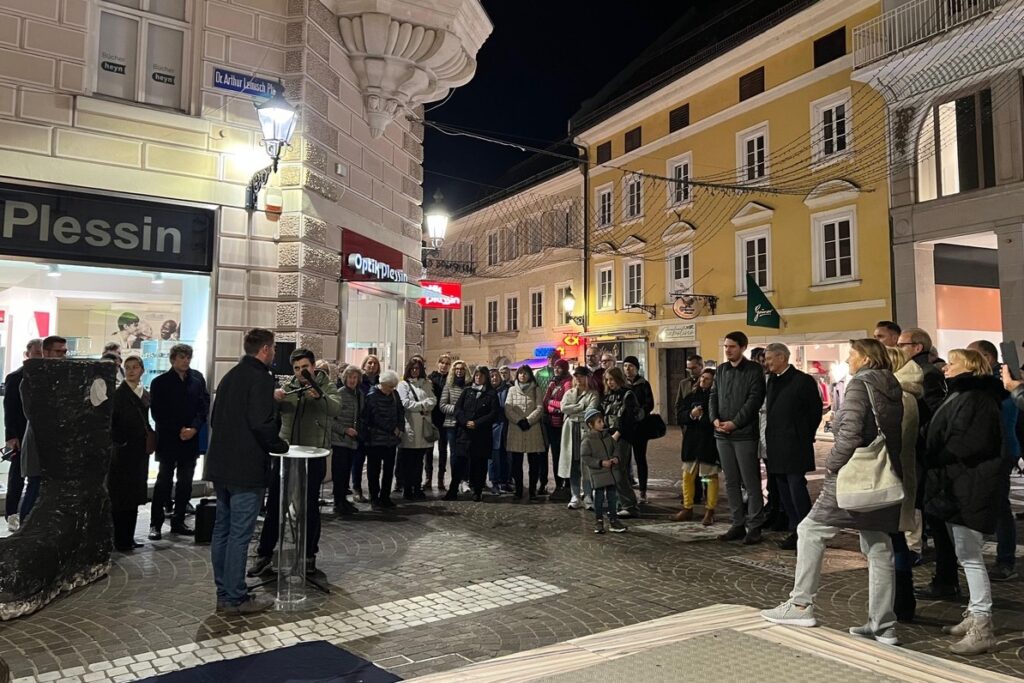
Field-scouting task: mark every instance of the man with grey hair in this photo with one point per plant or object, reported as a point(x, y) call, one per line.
point(793, 411)
point(917, 344)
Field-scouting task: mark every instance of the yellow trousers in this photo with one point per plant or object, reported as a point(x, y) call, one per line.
point(690, 484)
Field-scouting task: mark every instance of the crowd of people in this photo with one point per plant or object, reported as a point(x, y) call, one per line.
point(948, 427)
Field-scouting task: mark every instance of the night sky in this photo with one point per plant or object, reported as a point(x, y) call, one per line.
point(541, 62)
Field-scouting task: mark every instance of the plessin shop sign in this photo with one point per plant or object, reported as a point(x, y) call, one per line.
point(76, 226)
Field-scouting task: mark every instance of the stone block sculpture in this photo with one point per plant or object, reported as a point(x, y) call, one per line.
point(66, 540)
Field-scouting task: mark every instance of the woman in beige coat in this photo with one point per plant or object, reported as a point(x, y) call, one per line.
point(524, 408)
point(584, 395)
point(911, 378)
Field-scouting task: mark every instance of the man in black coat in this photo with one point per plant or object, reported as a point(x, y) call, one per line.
point(792, 415)
point(438, 379)
point(244, 429)
point(15, 425)
point(180, 403)
point(736, 399)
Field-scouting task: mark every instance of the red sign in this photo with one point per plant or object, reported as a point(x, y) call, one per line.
point(440, 294)
point(366, 260)
point(571, 340)
point(3, 315)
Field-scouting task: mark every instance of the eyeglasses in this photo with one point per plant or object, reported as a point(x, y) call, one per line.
point(904, 345)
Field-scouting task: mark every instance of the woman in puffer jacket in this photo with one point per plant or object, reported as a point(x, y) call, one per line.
point(524, 408)
point(911, 378)
point(622, 413)
point(965, 479)
point(584, 395)
point(449, 399)
point(873, 403)
point(417, 396)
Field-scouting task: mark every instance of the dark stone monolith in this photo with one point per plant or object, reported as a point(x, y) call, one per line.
point(66, 540)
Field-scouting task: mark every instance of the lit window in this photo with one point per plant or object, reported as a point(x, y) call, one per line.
point(605, 289)
point(964, 160)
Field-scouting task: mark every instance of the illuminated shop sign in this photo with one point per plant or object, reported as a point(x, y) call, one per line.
point(447, 295)
point(366, 265)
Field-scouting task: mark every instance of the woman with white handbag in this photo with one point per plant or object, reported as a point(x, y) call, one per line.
point(868, 440)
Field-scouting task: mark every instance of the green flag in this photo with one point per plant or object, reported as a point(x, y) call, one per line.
point(760, 312)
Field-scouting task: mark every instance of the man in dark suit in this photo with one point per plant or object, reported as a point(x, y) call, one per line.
point(792, 415)
point(15, 425)
point(180, 403)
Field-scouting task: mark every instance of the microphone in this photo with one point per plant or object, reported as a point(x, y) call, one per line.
point(312, 384)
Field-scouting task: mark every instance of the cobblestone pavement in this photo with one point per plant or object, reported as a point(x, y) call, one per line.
point(498, 577)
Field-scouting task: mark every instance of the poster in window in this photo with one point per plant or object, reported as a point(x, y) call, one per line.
point(163, 66)
point(119, 41)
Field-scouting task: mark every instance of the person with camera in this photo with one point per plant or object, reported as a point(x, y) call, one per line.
point(309, 404)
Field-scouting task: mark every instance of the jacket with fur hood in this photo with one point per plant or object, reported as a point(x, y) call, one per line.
point(911, 379)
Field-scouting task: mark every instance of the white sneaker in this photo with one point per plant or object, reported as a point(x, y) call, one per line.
point(575, 504)
point(588, 503)
point(886, 637)
point(13, 523)
point(791, 615)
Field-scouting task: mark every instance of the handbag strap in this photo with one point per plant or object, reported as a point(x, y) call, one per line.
point(874, 410)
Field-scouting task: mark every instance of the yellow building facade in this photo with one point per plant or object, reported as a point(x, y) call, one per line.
point(765, 159)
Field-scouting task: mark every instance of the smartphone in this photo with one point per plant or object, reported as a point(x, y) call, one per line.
point(7, 453)
point(1010, 359)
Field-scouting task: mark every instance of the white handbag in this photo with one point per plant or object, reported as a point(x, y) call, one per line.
point(867, 482)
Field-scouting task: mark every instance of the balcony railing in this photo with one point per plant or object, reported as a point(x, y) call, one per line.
point(913, 23)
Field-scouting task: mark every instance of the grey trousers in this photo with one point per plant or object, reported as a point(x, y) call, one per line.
point(741, 464)
point(627, 497)
point(876, 546)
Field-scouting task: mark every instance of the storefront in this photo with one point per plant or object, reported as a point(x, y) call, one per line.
point(104, 268)
point(374, 292)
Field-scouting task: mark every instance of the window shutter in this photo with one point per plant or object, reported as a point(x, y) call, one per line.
point(830, 47)
point(604, 152)
point(679, 118)
point(633, 140)
point(752, 83)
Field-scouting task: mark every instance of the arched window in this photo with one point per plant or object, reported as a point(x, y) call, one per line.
point(955, 148)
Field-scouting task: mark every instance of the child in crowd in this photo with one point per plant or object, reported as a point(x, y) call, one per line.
point(598, 455)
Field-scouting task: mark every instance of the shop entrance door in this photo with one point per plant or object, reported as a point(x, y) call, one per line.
point(674, 372)
point(371, 328)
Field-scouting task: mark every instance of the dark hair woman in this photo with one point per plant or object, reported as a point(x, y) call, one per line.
point(965, 479)
point(475, 413)
point(129, 467)
point(622, 415)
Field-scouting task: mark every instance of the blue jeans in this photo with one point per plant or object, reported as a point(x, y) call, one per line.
point(579, 481)
point(29, 499)
point(606, 501)
point(237, 508)
point(500, 468)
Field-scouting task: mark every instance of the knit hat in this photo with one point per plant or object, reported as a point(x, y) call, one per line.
point(591, 414)
point(632, 360)
point(562, 363)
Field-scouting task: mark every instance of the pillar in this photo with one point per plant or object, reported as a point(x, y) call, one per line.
point(914, 271)
point(1011, 280)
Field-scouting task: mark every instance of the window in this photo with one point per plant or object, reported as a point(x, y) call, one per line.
point(509, 243)
point(604, 207)
point(142, 51)
point(492, 249)
point(680, 191)
point(752, 83)
point(556, 228)
point(605, 289)
point(604, 152)
point(634, 196)
point(634, 290)
point(680, 271)
point(752, 153)
point(753, 255)
point(830, 47)
point(534, 236)
point(834, 240)
point(560, 293)
point(512, 313)
point(446, 322)
point(537, 308)
point(830, 126)
point(632, 139)
point(679, 118)
point(467, 318)
point(955, 149)
point(492, 316)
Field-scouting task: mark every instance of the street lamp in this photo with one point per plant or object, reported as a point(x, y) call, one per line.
point(436, 219)
point(568, 305)
point(277, 120)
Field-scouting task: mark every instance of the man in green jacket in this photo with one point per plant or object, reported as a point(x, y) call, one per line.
point(309, 404)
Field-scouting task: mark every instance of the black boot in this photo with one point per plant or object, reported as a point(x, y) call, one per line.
point(904, 603)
